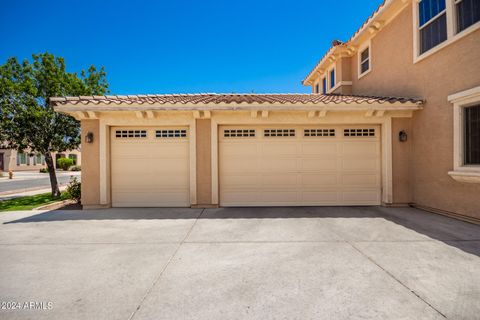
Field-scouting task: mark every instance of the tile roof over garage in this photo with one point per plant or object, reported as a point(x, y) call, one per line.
point(227, 99)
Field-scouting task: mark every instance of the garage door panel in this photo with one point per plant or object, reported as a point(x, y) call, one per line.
point(275, 164)
point(239, 181)
point(279, 180)
point(240, 165)
point(322, 180)
point(144, 199)
point(363, 180)
point(357, 148)
point(321, 164)
point(360, 197)
point(360, 164)
point(319, 148)
point(279, 196)
point(240, 197)
point(324, 168)
point(276, 148)
point(239, 148)
point(326, 197)
point(150, 171)
point(136, 181)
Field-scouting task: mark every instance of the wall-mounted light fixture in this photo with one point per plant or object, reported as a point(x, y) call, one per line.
point(89, 137)
point(402, 136)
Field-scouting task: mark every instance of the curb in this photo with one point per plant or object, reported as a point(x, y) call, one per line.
point(53, 205)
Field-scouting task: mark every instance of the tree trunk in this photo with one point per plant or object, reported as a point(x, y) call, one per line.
point(53, 175)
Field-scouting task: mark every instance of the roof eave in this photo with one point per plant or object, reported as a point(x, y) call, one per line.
point(341, 107)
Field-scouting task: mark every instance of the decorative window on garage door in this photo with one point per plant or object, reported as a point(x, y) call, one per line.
point(319, 132)
point(370, 132)
point(238, 133)
point(171, 133)
point(131, 133)
point(279, 132)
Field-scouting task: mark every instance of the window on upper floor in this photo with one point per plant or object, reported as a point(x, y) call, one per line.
point(364, 61)
point(442, 22)
point(432, 23)
point(317, 88)
point(324, 85)
point(332, 78)
point(467, 13)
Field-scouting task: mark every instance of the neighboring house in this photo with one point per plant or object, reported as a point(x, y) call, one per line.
point(12, 160)
point(393, 120)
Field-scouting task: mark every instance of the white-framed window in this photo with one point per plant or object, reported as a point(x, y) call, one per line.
point(332, 78)
point(438, 23)
point(317, 88)
point(432, 23)
point(22, 159)
point(324, 85)
point(364, 60)
point(466, 135)
point(39, 159)
point(467, 13)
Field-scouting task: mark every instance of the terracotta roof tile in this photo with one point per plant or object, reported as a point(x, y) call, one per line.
point(217, 99)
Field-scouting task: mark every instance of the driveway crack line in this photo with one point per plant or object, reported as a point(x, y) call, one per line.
point(157, 279)
point(396, 279)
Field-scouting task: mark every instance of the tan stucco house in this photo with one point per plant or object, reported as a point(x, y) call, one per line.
point(394, 119)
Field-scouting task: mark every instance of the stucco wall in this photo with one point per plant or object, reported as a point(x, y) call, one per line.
point(452, 69)
point(90, 164)
point(401, 156)
point(204, 164)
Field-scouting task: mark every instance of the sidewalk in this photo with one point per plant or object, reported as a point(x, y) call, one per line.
point(33, 175)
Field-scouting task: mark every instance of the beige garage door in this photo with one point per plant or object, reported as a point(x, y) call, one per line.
point(299, 165)
point(150, 167)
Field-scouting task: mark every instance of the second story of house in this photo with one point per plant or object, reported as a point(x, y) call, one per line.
point(403, 45)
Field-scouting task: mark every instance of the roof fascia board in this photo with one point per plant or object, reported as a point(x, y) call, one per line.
point(270, 107)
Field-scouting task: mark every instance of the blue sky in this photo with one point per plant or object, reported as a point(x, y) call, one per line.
point(184, 46)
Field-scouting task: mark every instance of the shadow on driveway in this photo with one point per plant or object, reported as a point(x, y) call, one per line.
point(462, 235)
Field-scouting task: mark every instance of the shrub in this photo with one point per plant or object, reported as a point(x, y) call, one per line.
point(64, 163)
point(75, 168)
point(74, 191)
point(43, 170)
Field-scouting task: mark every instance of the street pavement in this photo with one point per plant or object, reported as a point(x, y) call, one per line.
point(32, 181)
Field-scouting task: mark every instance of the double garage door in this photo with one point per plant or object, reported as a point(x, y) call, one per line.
point(258, 166)
point(299, 166)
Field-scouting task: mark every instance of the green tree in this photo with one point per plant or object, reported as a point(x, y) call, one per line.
point(27, 121)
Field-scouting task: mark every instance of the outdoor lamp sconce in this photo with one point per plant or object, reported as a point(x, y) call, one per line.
point(402, 136)
point(89, 137)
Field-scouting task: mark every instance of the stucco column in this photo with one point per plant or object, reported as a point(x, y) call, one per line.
point(204, 162)
point(90, 165)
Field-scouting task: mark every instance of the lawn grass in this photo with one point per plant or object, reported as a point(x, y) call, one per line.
point(28, 202)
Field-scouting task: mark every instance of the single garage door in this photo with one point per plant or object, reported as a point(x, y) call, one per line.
point(299, 165)
point(150, 167)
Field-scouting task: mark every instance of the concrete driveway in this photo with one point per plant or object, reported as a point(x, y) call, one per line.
point(270, 263)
